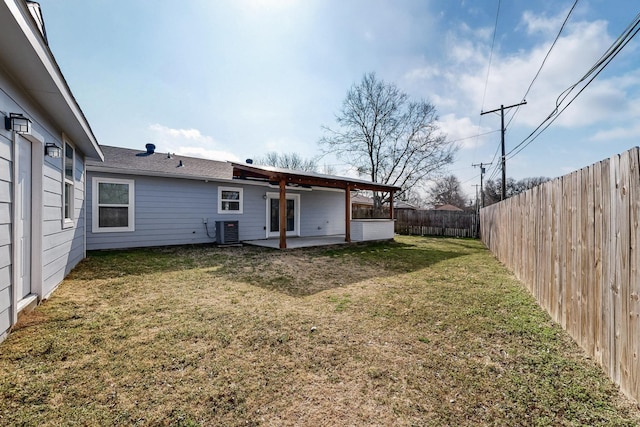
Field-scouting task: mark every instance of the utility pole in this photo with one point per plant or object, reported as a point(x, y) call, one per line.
point(504, 160)
point(477, 207)
point(482, 171)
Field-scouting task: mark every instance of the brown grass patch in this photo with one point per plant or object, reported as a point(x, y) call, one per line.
point(417, 332)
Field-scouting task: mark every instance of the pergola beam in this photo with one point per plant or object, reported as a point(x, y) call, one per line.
point(347, 214)
point(283, 214)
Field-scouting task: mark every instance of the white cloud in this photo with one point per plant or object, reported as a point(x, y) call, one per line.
point(542, 24)
point(207, 154)
point(188, 142)
point(619, 133)
point(575, 52)
point(422, 73)
point(460, 131)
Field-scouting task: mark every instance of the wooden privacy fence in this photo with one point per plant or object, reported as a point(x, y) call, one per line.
point(574, 242)
point(436, 223)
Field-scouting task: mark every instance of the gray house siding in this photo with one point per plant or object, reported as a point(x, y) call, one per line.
point(63, 247)
point(170, 211)
point(37, 249)
point(55, 250)
point(322, 213)
point(167, 212)
point(5, 231)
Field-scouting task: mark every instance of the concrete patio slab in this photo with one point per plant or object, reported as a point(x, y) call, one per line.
point(299, 242)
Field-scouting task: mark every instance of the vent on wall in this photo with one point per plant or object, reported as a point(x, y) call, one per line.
point(227, 232)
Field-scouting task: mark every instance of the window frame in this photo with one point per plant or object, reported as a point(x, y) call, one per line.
point(95, 205)
point(240, 192)
point(70, 193)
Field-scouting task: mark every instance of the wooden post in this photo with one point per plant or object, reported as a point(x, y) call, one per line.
point(347, 214)
point(391, 205)
point(283, 213)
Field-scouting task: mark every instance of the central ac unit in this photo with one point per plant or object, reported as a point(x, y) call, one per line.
point(227, 232)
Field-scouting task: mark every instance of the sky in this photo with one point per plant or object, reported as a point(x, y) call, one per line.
point(235, 79)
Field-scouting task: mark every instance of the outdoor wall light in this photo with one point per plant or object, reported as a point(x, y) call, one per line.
point(52, 150)
point(17, 123)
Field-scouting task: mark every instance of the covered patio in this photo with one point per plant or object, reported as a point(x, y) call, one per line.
point(299, 242)
point(286, 178)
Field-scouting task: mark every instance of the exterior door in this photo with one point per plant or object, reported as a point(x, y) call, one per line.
point(23, 215)
point(273, 215)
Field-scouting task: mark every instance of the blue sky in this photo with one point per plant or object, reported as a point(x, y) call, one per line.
point(234, 79)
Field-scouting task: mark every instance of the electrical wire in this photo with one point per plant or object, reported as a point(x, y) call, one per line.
point(566, 19)
point(493, 41)
point(624, 39)
point(486, 81)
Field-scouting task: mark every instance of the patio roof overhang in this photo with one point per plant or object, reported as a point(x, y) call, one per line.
point(284, 177)
point(245, 171)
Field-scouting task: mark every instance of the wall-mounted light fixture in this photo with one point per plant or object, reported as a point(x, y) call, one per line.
point(52, 150)
point(17, 123)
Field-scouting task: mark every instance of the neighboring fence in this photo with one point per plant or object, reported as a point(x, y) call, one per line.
point(436, 223)
point(367, 212)
point(575, 243)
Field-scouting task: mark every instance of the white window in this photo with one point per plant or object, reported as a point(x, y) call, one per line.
point(68, 193)
point(112, 205)
point(229, 200)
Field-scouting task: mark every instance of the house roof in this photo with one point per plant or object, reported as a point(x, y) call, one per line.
point(249, 171)
point(403, 205)
point(25, 55)
point(448, 208)
point(359, 199)
point(139, 162)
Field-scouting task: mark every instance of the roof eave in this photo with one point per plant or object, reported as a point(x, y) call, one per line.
point(27, 58)
point(137, 172)
point(300, 178)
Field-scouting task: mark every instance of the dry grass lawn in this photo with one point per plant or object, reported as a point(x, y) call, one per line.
point(418, 332)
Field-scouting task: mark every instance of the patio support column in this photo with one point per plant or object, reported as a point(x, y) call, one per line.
point(347, 214)
point(391, 205)
point(283, 213)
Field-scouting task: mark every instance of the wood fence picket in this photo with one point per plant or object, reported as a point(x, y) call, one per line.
point(575, 244)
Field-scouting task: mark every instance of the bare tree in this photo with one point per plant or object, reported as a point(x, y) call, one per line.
point(493, 189)
point(388, 137)
point(447, 191)
point(288, 161)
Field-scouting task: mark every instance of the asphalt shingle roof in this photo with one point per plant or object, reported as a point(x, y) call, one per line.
point(140, 162)
point(126, 160)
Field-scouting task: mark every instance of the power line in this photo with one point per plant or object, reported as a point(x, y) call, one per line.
point(502, 144)
point(493, 159)
point(544, 61)
point(493, 41)
point(617, 46)
point(486, 80)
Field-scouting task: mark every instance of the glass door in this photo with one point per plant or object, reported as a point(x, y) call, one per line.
point(292, 215)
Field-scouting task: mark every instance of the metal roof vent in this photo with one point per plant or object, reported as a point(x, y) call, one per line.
point(151, 148)
point(180, 165)
point(249, 161)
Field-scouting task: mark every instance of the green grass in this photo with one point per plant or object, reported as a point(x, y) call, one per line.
point(421, 331)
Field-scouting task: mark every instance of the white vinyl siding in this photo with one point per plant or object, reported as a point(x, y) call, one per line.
point(113, 207)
